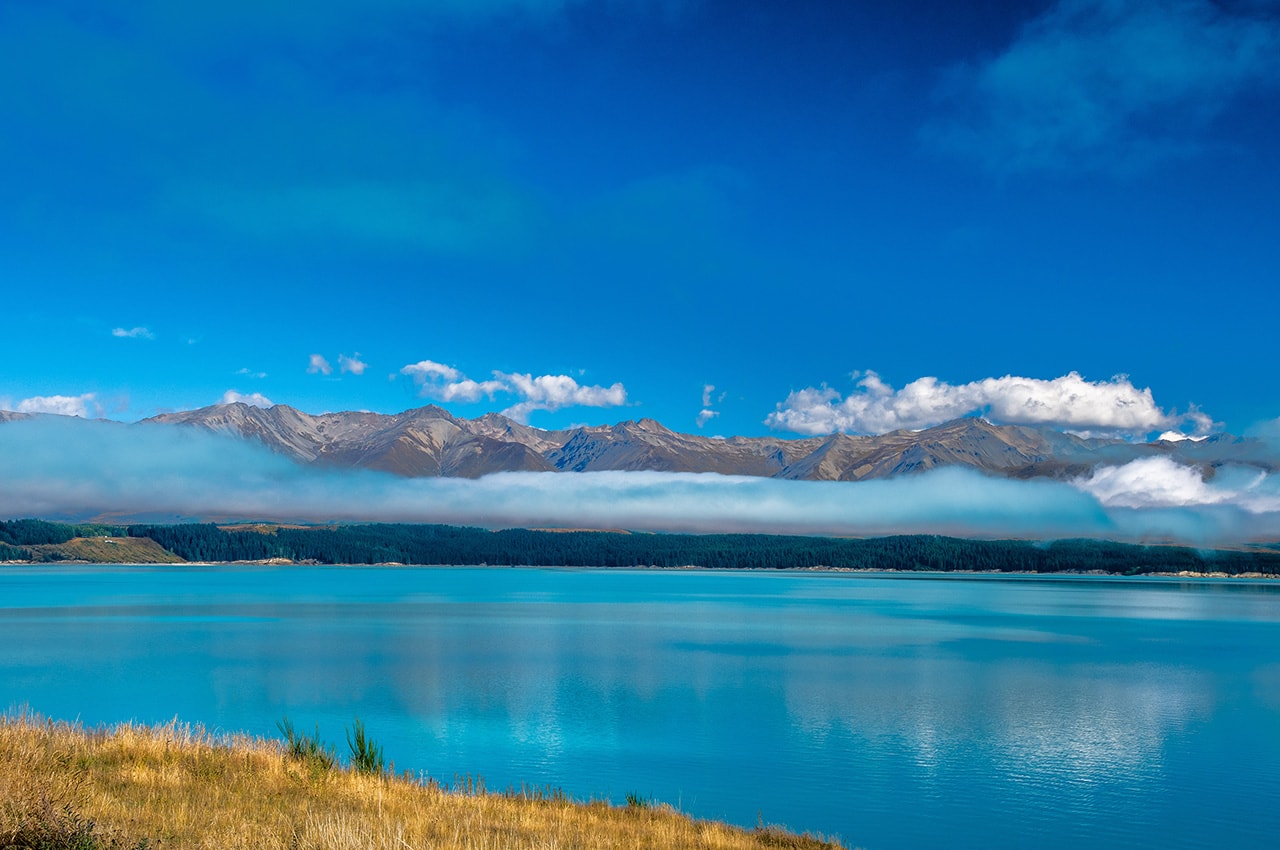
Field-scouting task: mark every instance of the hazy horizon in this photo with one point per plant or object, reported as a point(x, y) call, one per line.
point(66, 468)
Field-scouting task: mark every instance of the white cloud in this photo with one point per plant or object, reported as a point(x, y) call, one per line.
point(468, 390)
point(445, 383)
point(1159, 482)
point(1149, 482)
point(429, 370)
point(253, 399)
point(354, 364)
point(1069, 402)
point(552, 392)
point(1178, 437)
point(83, 405)
point(708, 399)
point(317, 364)
point(133, 333)
point(544, 392)
point(1108, 84)
point(75, 468)
point(250, 374)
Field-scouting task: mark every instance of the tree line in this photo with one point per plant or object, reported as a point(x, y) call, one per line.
point(375, 543)
point(17, 534)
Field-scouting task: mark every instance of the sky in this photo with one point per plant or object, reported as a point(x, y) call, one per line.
point(737, 218)
point(734, 217)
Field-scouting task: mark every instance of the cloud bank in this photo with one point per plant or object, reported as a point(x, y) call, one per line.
point(1108, 85)
point(60, 467)
point(544, 392)
point(1114, 407)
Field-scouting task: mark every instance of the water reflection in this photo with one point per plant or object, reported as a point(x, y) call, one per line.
point(896, 711)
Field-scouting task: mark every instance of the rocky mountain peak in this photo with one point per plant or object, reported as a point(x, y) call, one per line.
point(430, 441)
point(652, 426)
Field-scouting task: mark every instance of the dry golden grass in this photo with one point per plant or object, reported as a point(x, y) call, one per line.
point(172, 786)
point(112, 550)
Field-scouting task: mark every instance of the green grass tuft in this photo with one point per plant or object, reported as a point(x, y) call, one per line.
point(307, 748)
point(366, 756)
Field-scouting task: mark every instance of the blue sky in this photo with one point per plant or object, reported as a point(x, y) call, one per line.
point(734, 217)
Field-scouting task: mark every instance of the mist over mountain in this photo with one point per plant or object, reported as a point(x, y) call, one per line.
point(966, 478)
point(430, 442)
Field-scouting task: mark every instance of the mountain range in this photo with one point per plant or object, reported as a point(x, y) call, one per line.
point(429, 441)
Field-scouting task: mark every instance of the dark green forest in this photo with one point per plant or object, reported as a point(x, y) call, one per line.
point(17, 534)
point(443, 544)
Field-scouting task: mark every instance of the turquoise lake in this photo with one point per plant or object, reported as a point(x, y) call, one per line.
point(891, 711)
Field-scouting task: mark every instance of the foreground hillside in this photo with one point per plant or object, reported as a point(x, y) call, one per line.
point(134, 787)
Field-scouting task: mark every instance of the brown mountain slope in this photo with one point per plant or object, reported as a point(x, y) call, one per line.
point(647, 444)
point(429, 441)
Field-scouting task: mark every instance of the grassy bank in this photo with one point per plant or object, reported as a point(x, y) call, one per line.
point(62, 786)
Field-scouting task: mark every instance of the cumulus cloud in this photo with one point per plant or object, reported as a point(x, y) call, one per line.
point(318, 365)
point(706, 415)
point(84, 405)
point(1114, 407)
point(425, 371)
point(1159, 482)
point(133, 333)
point(445, 383)
point(354, 364)
point(553, 392)
point(72, 468)
point(253, 399)
point(467, 390)
point(1149, 481)
point(543, 392)
point(1109, 85)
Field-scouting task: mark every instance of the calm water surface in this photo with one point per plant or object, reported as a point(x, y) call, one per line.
point(891, 711)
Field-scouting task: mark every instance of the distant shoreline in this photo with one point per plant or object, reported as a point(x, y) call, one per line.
point(870, 571)
point(268, 544)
